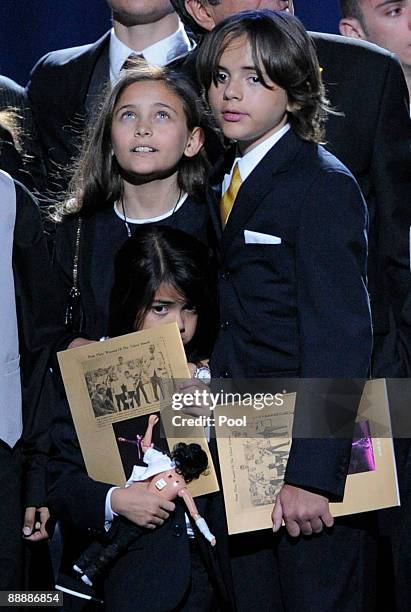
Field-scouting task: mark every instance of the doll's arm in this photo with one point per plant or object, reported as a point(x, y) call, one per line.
point(199, 521)
point(146, 440)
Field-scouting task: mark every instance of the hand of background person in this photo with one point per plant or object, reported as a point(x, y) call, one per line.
point(34, 527)
point(189, 388)
point(303, 512)
point(141, 506)
point(79, 342)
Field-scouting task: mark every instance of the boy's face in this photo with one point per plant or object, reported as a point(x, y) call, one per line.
point(244, 109)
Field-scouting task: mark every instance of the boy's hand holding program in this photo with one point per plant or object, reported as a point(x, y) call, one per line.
point(303, 512)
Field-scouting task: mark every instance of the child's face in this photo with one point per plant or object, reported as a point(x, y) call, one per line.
point(245, 110)
point(149, 133)
point(169, 306)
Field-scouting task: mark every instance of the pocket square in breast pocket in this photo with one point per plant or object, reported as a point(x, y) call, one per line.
point(260, 238)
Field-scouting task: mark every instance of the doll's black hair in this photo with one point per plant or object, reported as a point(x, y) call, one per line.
point(190, 460)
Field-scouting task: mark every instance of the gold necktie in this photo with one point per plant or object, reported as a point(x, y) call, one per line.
point(228, 199)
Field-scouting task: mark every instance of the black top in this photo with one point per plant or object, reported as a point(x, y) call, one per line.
point(102, 235)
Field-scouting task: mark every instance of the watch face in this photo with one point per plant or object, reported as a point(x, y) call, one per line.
point(204, 374)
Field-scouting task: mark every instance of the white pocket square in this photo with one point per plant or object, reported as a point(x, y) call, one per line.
point(259, 238)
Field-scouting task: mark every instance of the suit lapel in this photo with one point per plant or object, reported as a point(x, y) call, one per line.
point(99, 75)
point(260, 182)
point(216, 178)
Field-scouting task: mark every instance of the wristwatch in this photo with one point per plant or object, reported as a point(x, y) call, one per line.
point(203, 373)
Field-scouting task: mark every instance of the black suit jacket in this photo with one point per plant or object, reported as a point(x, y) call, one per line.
point(298, 308)
point(62, 92)
point(373, 139)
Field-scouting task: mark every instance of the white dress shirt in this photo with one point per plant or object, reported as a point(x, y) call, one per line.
point(249, 161)
point(160, 53)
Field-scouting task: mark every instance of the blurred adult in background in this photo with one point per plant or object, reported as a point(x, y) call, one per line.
point(66, 85)
point(387, 24)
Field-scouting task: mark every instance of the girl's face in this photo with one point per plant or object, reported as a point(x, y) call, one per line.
point(149, 133)
point(243, 107)
point(170, 306)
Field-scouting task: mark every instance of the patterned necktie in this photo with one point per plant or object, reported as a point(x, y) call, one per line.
point(134, 60)
point(228, 199)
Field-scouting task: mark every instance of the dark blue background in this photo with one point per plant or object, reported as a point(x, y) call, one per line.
point(31, 28)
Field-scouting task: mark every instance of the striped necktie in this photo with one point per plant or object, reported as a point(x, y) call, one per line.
point(228, 199)
point(134, 60)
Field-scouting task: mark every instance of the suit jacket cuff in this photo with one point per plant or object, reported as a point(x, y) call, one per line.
point(319, 465)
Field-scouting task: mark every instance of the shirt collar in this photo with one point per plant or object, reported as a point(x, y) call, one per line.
point(160, 53)
point(249, 161)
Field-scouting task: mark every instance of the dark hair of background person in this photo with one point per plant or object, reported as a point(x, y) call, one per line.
point(352, 8)
point(282, 49)
point(97, 181)
point(156, 255)
point(9, 121)
point(189, 22)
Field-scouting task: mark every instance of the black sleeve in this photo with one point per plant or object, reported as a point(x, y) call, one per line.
point(336, 333)
point(39, 315)
point(72, 495)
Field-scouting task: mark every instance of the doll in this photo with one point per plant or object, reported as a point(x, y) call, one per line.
point(165, 476)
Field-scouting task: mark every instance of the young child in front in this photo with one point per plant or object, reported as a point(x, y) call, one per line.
point(162, 275)
point(291, 224)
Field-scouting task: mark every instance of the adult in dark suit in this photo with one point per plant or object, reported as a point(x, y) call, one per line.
point(66, 85)
point(372, 137)
point(389, 28)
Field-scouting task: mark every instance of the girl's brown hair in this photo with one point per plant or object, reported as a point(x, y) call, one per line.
point(97, 181)
point(282, 48)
